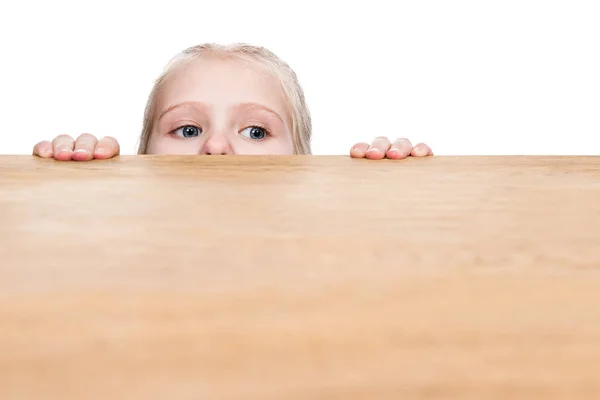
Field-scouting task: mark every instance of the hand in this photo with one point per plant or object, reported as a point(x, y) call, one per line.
point(381, 147)
point(86, 147)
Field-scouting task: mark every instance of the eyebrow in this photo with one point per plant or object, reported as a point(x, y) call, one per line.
point(192, 104)
point(201, 105)
point(250, 106)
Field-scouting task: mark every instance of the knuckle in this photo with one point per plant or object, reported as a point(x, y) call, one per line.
point(38, 147)
point(404, 143)
point(109, 141)
point(86, 136)
point(62, 137)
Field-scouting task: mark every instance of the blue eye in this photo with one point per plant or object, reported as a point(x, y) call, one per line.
point(254, 133)
point(188, 131)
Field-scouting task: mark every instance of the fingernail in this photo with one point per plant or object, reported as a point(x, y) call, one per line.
point(82, 151)
point(64, 150)
point(99, 150)
point(373, 150)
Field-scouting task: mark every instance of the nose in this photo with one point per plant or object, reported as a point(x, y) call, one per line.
point(215, 145)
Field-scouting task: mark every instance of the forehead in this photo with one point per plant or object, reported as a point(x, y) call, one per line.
point(222, 82)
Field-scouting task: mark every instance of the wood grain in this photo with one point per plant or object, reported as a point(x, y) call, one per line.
point(301, 277)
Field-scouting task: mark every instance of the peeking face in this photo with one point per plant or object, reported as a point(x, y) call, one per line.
point(219, 106)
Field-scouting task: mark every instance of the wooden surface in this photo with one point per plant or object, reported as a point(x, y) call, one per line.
point(300, 278)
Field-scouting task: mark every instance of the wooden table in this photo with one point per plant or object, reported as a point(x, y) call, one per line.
point(300, 278)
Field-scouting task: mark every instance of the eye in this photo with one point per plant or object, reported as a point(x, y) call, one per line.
point(188, 131)
point(255, 133)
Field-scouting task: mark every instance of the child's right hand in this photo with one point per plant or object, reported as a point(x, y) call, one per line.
point(86, 147)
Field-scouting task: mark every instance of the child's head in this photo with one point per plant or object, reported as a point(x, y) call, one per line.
point(238, 99)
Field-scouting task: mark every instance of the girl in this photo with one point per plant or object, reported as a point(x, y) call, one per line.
point(223, 100)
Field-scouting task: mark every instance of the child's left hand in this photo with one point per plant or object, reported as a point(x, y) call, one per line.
point(381, 147)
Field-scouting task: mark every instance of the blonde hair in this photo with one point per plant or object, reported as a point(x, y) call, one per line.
point(301, 123)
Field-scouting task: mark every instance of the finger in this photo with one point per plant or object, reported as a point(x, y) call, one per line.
point(84, 147)
point(378, 148)
point(62, 146)
point(43, 149)
point(359, 150)
point(107, 147)
point(401, 148)
point(421, 150)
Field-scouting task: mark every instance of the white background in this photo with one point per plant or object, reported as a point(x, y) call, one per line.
point(466, 77)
